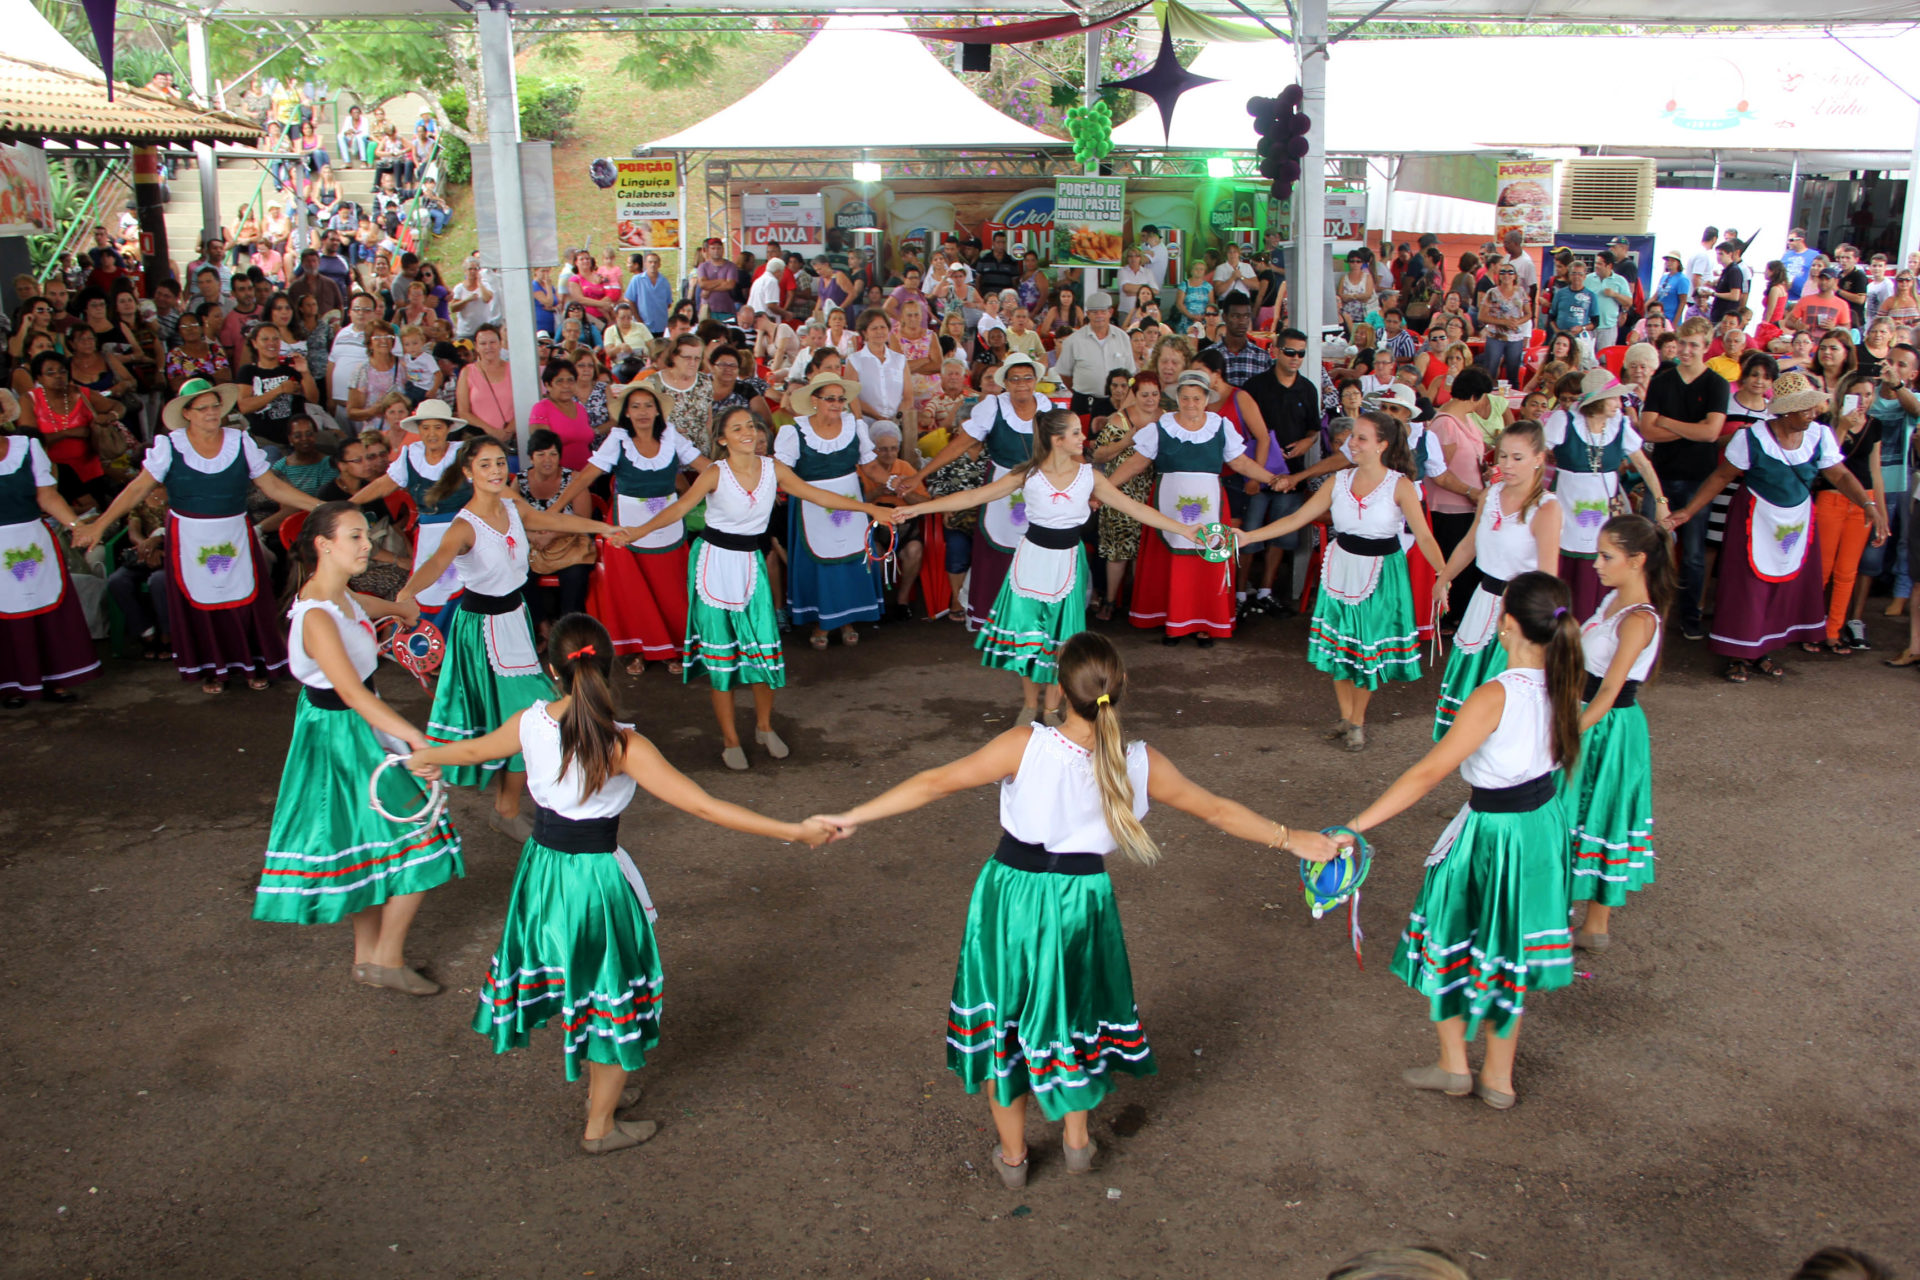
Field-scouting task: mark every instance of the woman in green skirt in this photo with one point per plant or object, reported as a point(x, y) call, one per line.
point(1490, 925)
point(578, 942)
point(489, 669)
point(1364, 633)
point(1043, 599)
point(1516, 531)
point(330, 856)
point(733, 635)
point(1043, 1000)
point(1609, 798)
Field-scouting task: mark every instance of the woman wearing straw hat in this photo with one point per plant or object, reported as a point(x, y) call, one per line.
point(641, 597)
point(1590, 444)
point(1770, 591)
point(44, 642)
point(828, 581)
point(1004, 423)
point(418, 468)
point(219, 603)
point(1174, 586)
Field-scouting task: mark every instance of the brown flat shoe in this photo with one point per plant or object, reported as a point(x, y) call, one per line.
point(1493, 1097)
point(1454, 1086)
point(624, 1134)
point(1012, 1176)
point(1080, 1159)
point(400, 979)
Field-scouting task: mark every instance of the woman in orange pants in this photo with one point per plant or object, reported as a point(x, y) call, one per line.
point(1843, 527)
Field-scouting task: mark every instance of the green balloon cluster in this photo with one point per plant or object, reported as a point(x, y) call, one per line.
point(1091, 129)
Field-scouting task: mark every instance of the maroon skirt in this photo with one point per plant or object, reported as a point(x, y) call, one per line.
point(1583, 584)
point(49, 648)
point(989, 570)
point(219, 644)
point(1751, 616)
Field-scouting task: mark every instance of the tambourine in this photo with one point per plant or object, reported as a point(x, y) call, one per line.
point(884, 556)
point(418, 647)
point(1217, 542)
point(429, 812)
point(1328, 884)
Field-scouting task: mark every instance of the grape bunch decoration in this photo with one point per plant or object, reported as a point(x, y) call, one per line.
point(601, 171)
point(1091, 129)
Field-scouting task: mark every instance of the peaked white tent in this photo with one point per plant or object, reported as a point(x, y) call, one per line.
point(916, 101)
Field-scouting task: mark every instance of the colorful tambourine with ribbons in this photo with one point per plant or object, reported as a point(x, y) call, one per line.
point(1216, 542)
point(1329, 884)
point(417, 647)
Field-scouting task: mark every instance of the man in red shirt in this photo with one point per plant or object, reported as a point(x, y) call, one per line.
point(1819, 312)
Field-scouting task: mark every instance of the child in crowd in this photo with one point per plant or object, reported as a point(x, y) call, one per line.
point(424, 376)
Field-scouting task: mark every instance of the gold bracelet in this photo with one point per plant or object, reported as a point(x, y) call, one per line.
point(1282, 834)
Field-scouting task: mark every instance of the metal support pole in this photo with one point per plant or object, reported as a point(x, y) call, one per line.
point(686, 233)
point(1910, 220)
point(1386, 222)
point(1090, 94)
point(515, 281)
point(152, 214)
point(1310, 202)
point(200, 69)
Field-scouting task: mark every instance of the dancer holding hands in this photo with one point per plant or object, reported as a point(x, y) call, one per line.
point(1609, 796)
point(1490, 924)
point(578, 944)
point(1043, 598)
point(330, 856)
point(1515, 531)
point(1043, 999)
point(490, 669)
point(1363, 632)
point(732, 634)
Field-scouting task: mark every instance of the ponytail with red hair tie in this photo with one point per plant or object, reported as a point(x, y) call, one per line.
point(586, 649)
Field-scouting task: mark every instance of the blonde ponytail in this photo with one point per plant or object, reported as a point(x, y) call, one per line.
point(1094, 681)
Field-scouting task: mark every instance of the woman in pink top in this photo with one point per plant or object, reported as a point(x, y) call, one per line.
point(562, 413)
point(484, 394)
point(1464, 448)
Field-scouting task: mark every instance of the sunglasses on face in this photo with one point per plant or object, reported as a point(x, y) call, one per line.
point(1291, 354)
point(830, 399)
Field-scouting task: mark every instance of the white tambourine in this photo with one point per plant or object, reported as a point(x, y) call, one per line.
point(429, 812)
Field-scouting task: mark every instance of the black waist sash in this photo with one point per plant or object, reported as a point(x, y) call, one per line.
point(1054, 540)
point(1022, 856)
point(477, 602)
point(1496, 586)
point(325, 699)
point(1354, 544)
point(731, 541)
point(575, 835)
point(1521, 797)
point(1628, 695)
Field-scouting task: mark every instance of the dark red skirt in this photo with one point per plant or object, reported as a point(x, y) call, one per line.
point(1751, 616)
point(52, 647)
point(1583, 584)
point(219, 644)
point(990, 565)
point(1188, 595)
point(641, 599)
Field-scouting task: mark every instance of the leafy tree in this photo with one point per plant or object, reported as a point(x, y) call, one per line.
point(673, 52)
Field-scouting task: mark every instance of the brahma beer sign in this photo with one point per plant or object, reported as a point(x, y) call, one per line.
point(646, 203)
point(1089, 215)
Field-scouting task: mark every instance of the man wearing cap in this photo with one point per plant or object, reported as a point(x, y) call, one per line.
point(1087, 355)
point(1671, 293)
point(1824, 310)
point(717, 279)
point(1798, 260)
point(309, 280)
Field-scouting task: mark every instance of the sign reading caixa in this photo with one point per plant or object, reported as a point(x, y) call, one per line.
point(788, 221)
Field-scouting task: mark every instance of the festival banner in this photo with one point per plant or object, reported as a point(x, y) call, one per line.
point(792, 222)
point(26, 193)
point(1089, 217)
point(1524, 202)
point(646, 203)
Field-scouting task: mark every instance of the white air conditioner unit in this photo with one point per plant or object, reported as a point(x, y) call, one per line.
point(1606, 195)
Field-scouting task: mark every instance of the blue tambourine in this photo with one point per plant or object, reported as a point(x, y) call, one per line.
point(1329, 884)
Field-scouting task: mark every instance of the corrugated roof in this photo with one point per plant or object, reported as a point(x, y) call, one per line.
point(39, 102)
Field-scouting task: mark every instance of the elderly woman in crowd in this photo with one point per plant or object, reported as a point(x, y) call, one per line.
point(688, 390)
point(909, 537)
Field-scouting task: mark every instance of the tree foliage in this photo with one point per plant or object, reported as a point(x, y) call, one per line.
point(671, 53)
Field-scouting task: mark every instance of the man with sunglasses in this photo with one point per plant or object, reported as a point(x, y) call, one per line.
point(1289, 404)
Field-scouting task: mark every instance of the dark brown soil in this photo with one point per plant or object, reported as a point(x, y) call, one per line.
point(188, 1093)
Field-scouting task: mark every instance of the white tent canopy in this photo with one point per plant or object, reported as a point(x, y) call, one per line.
point(912, 100)
point(1800, 92)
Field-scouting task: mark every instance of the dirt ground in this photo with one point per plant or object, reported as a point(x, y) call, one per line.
point(189, 1093)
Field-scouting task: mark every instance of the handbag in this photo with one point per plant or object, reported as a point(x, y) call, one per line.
point(563, 552)
point(109, 440)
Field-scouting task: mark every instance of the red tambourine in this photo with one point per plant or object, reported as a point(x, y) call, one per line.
point(418, 647)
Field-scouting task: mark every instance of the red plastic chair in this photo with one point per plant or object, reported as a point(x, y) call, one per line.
point(1611, 358)
point(289, 530)
point(1536, 339)
point(400, 506)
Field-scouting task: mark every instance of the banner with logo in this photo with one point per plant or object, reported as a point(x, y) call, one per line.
point(1346, 216)
point(646, 203)
point(1028, 221)
point(26, 193)
point(792, 222)
point(1089, 219)
point(1524, 200)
